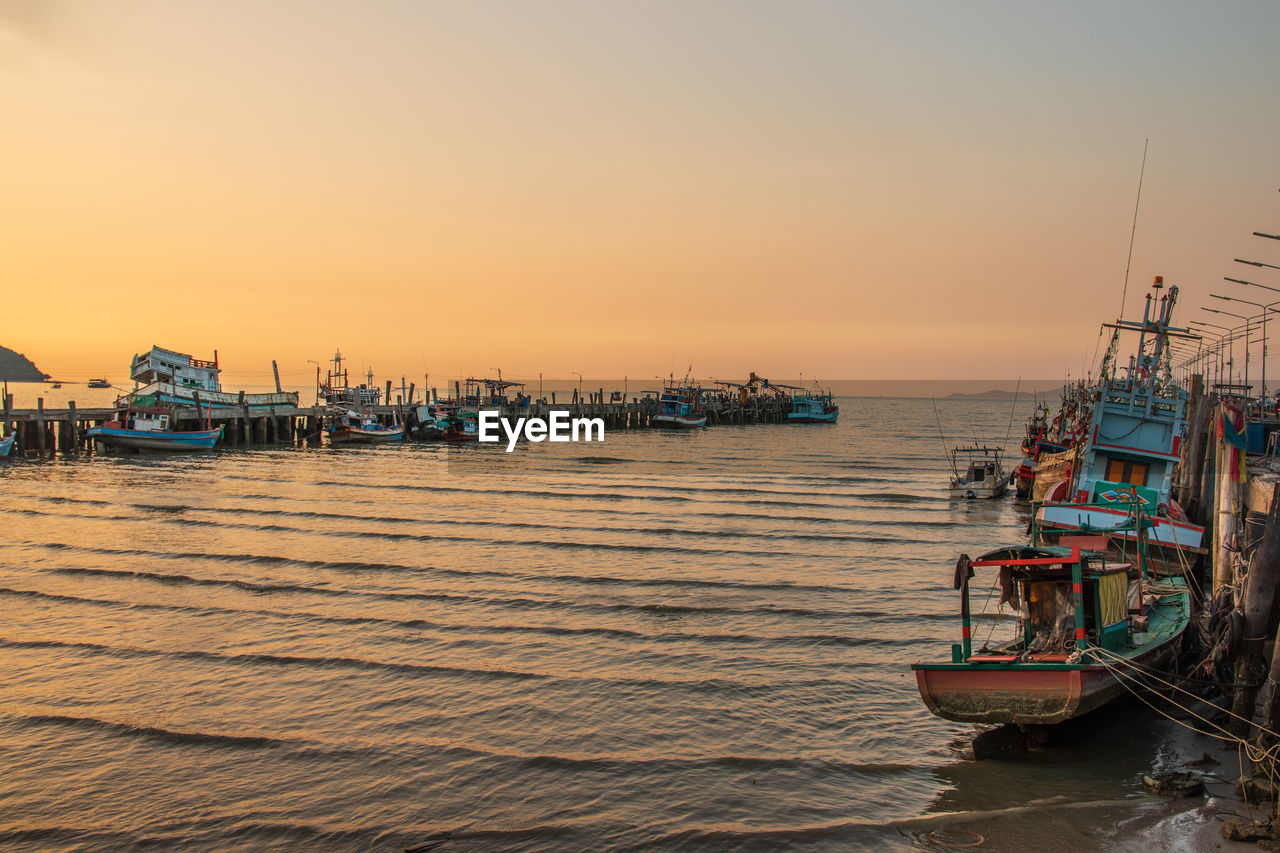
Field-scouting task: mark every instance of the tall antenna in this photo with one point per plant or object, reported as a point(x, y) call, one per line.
point(1012, 409)
point(1133, 232)
point(951, 460)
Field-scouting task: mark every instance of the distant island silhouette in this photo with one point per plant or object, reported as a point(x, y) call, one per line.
point(996, 394)
point(16, 367)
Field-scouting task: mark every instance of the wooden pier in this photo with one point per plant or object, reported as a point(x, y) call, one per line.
point(48, 431)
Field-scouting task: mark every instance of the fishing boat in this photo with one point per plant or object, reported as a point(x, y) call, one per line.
point(169, 379)
point(1137, 420)
point(6, 444)
point(151, 428)
point(678, 408)
point(813, 407)
point(427, 422)
point(483, 393)
point(1083, 626)
point(983, 477)
point(1031, 447)
point(464, 426)
point(99, 383)
point(348, 425)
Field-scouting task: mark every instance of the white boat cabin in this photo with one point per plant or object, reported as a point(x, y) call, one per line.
point(142, 420)
point(162, 365)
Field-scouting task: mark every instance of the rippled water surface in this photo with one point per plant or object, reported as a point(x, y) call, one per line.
point(669, 640)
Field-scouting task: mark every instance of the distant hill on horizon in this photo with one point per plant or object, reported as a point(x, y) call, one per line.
point(999, 394)
point(16, 367)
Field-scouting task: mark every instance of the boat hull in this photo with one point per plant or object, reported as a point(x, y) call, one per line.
point(1025, 479)
point(1167, 532)
point(796, 418)
point(167, 394)
point(978, 491)
point(1026, 694)
point(6, 445)
point(356, 435)
point(678, 421)
point(132, 439)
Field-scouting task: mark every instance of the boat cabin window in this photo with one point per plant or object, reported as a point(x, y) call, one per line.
point(1127, 471)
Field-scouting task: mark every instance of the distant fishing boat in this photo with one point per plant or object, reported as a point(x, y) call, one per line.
point(983, 477)
point(151, 428)
point(813, 407)
point(99, 383)
point(56, 385)
point(1085, 625)
point(337, 390)
point(347, 425)
point(464, 426)
point(678, 408)
point(1130, 447)
point(6, 444)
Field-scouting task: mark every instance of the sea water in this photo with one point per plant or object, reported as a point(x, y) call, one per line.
point(693, 640)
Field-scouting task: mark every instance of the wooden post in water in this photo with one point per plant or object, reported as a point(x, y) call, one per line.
point(388, 397)
point(74, 432)
point(1266, 558)
point(8, 413)
point(1227, 496)
point(245, 426)
point(40, 437)
point(276, 370)
point(1259, 593)
point(1193, 451)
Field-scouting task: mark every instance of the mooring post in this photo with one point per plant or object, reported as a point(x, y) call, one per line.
point(1266, 558)
point(276, 370)
point(245, 426)
point(40, 438)
point(1259, 593)
point(74, 432)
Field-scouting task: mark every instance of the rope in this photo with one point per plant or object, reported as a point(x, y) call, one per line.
point(1101, 654)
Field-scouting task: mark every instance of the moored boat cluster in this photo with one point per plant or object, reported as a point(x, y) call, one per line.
point(1103, 585)
point(178, 404)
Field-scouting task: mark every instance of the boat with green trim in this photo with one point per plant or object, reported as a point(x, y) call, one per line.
point(813, 407)
point(1082, 624)
point(1137, 419)
point(151, 428)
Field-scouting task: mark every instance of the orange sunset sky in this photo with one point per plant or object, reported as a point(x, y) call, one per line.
point(843, 189)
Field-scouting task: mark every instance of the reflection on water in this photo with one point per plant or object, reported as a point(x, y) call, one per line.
point(698, 640)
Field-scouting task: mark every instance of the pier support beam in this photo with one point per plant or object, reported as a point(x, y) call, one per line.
point(1266, 560)
point(1259, 594)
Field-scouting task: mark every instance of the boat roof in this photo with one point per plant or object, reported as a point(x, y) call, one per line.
point(973, 448)
point(500, 384)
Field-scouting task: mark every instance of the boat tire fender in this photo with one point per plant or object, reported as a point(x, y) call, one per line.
point(1227, 630)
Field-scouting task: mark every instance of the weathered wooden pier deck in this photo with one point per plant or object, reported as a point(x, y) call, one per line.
point(42, 430)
